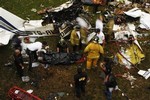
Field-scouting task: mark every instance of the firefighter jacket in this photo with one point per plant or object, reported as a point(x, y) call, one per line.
point(94, 50)
point(109, 26)
point(78, 36)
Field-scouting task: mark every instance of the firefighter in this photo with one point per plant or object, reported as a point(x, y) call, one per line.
point(80, 80)
point(94, 51)
point(109, 27)
point(77, 35)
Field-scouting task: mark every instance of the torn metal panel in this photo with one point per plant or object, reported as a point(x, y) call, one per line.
point(129, 53)
point(144, 17)
point(145, 74)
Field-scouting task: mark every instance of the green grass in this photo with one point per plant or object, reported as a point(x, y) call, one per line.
point(22, 8)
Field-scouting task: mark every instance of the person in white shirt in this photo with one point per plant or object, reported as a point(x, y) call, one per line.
point(32, 50)
point(101, 37)
point(99, 24)
point(36, 46)
point(100, 34)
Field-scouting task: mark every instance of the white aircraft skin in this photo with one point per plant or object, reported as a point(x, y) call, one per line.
point(11, 24)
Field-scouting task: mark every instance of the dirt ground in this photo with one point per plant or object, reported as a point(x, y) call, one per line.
point(46, 83)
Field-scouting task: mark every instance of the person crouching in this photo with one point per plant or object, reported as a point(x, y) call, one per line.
point(32, 49)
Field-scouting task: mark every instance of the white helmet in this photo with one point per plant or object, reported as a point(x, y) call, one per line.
point(95, 39)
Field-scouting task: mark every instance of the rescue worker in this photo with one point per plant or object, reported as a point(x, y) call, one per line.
point(18, 62)
point(80, 80)
point(101, 37)
point(106, 66)
point(136, 54)
point(16, 42)
point(100, 34)
point(32, 50)
point(62, 46)
point(99, 23)
point(109, 27)
point(46, 47)
point(77, 35)
point(110, 85)
point(95, 51)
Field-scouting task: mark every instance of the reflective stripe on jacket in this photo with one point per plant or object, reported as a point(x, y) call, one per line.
point(94, 50)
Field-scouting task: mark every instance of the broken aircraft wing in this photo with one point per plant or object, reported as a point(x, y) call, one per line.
point(11, 24)
point(7, 29)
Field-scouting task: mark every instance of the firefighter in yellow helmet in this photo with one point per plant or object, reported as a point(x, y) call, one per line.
point(94, 51)
point(76, 38)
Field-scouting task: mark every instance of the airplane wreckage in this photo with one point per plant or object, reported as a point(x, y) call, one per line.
point(52, 25)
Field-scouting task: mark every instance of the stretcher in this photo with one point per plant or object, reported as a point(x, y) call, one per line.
point(16, 93)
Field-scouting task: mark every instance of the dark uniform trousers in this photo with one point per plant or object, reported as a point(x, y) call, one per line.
point(80, 82)
point(32, 58)
point(19, 60)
